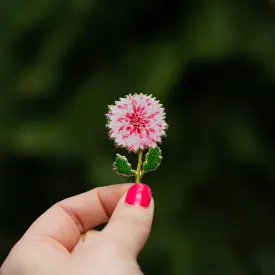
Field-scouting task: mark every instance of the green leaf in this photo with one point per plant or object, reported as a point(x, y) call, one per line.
point(122, 167)
point(152, 160)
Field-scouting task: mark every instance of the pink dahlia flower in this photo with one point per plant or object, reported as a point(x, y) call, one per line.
point(136, 122)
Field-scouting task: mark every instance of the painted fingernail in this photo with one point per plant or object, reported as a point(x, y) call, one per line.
point(139, 194)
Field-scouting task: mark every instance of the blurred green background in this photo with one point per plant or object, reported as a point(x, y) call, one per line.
point(211, 63)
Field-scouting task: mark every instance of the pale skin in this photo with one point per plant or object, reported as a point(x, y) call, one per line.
point(62, 241)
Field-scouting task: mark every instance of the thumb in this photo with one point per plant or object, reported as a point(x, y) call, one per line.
point(130, 225)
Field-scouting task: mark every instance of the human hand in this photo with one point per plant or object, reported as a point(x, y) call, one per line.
point(60, 241)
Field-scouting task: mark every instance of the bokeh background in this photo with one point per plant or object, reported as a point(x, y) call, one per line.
point(211, 63)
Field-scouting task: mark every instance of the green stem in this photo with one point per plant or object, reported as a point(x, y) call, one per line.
point(138, 175)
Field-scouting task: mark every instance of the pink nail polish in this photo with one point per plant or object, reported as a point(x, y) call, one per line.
point(139, 194)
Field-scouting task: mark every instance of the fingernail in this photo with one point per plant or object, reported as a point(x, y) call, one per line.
point(139, 194)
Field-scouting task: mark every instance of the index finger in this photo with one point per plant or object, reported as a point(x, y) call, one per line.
point(67, 220)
